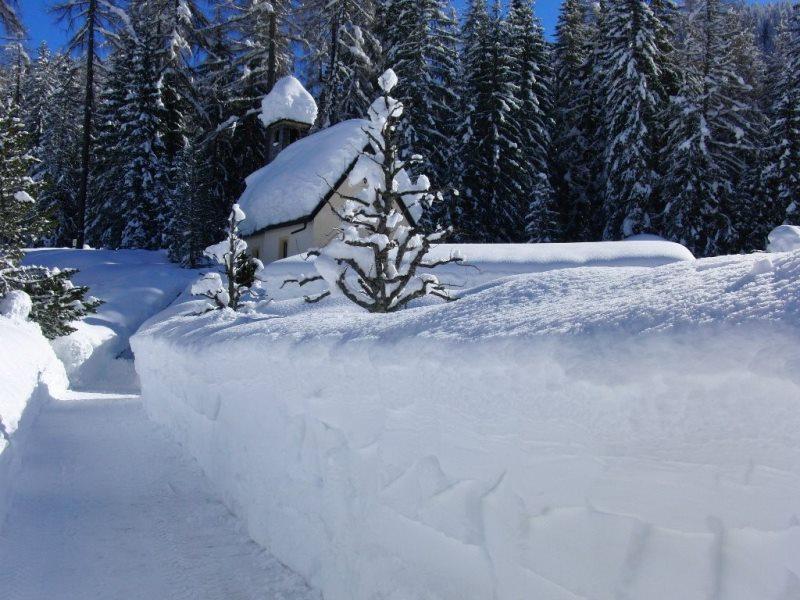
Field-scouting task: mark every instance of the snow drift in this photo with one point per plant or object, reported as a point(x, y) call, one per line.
point(29, 374)
point(578, 433)
point(488, 262)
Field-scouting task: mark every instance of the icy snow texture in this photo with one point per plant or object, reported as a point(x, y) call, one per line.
point(488, 262)
point(29, 374)
point(288, 100)
point(579, 433)
point(293, 184)
point(784, 238)
point(134, 284)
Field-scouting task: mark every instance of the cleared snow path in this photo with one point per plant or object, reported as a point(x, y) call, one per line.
point(107, 507)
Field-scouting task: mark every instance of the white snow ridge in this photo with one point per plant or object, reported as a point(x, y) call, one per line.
point(604, 433)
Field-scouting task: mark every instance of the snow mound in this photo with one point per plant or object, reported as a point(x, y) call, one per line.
point(292, 186)
point(784, 238)
point(488, 262)
point(29, 374)
point(134, 285)
point(16, 305)
point(288, 101)
point(587, 432)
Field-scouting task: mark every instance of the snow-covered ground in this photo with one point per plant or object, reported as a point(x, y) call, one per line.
point(577, 433)
point(107, 507)
point(489, 262)
point(134, 284)
point(95, 501)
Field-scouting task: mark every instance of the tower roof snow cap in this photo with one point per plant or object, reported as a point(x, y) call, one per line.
point(288, 101)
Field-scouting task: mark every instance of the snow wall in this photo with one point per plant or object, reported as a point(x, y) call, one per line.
point(654, 469)
point(29, 373)
point(425, 456)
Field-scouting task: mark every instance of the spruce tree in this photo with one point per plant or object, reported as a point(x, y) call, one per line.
point(782, 175)
point(419, 40)
point(569, 170)
point(146, 196)
point(90, 20)
point(631, 64)
point(55, 300)
point(711, 137)
point(533, 115)
point(57, 154)
point(495, 201)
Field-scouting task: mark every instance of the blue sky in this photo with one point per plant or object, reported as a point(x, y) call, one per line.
point(42, 25)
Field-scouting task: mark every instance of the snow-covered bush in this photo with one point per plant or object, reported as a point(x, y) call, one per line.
point(374, 261)
point(240, 270)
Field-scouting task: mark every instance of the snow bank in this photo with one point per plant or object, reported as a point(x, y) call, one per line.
point(288, 100)
point(579, 433)
point(29, 374)
point(489, 262)
point(134, 284)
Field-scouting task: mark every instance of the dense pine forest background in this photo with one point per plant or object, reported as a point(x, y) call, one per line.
point(639, 117)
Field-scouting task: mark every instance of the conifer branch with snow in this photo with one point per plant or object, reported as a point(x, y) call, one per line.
point(376, 259)
point(231, 253)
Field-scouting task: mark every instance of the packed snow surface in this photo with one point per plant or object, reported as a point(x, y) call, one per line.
point(288, 100)
point(106, 507)
point(577, 433)
point(784, 238)
point(487, 262)
point(134, 285)
point(29, 373)
point(293, 185)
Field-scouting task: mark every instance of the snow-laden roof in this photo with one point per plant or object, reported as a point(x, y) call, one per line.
point(288, 101)
point(292, 186)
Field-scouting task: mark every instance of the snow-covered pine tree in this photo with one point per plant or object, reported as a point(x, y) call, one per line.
point(231, 255)
point(578, 138)
point(633, 106)
point(21, 224)
point(419, 40)
point(782, 175)
point(55, 300)
point(146, 193)
point(90, 20)
point(37, 91)
point(495, 201)
point(343, 55)
point(106, 215)
point(569, 171)
point(533, 80)
point(710, 137)
point(374, 262)
point(56, 151)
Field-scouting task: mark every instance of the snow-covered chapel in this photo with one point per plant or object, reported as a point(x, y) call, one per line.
point(290, 202)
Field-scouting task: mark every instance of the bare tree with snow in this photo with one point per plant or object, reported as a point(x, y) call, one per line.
point(376, 259)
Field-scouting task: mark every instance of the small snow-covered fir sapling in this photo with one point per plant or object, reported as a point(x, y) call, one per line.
point(240, 270)
point(376, 258)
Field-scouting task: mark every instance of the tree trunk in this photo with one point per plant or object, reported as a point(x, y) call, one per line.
point(88, 111)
